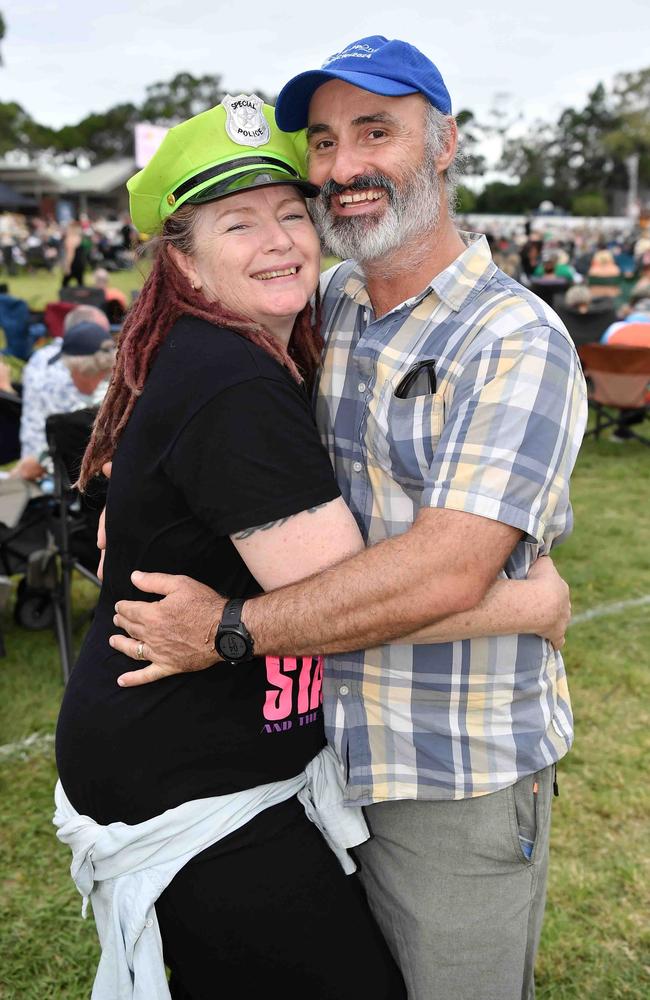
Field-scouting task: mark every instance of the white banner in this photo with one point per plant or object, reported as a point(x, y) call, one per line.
point(147, 139)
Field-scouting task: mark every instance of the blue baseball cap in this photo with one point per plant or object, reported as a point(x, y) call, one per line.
point(392, 68)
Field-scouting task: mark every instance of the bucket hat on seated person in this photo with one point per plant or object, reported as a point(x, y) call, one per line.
point(227, 149)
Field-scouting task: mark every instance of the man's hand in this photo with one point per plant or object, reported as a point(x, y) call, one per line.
point(552, 600)
point(176, 634)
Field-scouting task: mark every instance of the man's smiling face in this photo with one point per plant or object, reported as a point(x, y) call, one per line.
point(368, 153)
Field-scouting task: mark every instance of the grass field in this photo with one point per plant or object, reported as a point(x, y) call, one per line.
point(41, 287)
point(596, 939)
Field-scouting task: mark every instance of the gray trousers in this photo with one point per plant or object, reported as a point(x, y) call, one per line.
point(458, 900)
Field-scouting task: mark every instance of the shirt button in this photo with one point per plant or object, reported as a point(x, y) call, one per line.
point(344, 689)
point(357, 466)
point(148, 923)
point(361, 387)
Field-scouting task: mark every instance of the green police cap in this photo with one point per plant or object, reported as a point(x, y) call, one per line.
point(231, 147)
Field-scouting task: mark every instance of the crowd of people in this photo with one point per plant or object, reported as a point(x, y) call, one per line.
point(30, 243)
point(532, 251)
point(67, 374)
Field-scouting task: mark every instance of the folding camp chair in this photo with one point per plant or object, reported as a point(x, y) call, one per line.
point(10, 410)
point(14, 496)
point(77, 519)
point(611, 288)
point(586, 328)
point(550, 290)
point(83, 296)
point(618, 381)
point(23, 538)
point(19, 332)
point(54, 316)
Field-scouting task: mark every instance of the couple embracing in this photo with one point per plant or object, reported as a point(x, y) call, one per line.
point(374, 575)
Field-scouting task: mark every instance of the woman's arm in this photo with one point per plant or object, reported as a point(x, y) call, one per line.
point(538, 605)
point(281, 552)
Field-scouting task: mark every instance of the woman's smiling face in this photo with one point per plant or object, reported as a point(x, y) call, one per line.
point(258, 253)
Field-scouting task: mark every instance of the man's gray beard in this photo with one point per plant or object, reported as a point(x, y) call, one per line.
point(413, 209)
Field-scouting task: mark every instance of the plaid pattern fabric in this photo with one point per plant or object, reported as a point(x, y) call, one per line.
point(498, 438)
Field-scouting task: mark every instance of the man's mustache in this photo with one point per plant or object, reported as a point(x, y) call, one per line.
point(361, 183)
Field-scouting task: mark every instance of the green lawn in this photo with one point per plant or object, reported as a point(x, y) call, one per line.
point(41, 287)
point(596, 940)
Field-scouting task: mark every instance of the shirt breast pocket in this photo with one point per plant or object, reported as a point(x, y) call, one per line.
point(402, 434)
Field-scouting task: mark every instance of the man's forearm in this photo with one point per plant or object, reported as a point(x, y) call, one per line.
point(441, 566)
point(510, 606)
point(384, 592)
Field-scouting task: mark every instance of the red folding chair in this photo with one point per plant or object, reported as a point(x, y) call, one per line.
point(618, 383)
point(54, 315)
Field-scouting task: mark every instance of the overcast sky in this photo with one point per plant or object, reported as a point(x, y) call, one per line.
point(66, 58)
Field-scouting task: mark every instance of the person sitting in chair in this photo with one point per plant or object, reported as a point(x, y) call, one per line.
point(116, 300)
point(73, 378)
point(80, 314)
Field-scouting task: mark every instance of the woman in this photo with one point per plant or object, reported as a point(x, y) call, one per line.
point(209, 427)
point(75, 255)
point(604, 275)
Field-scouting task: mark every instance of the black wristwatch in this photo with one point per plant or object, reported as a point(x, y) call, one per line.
point(233, 642)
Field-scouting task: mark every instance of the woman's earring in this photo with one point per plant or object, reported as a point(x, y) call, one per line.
point(193, 286)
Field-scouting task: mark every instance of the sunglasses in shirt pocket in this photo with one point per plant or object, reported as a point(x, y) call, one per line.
point(405, 427)
point(420, 380)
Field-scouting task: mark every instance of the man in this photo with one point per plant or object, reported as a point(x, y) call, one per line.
point(452, 403)
point(115, 298)
point(80, 314)
point(71, 376)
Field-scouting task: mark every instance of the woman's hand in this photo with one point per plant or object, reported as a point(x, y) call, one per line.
point(550, 601)
point(101, 528)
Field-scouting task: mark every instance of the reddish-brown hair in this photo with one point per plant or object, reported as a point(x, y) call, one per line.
point(165, 296)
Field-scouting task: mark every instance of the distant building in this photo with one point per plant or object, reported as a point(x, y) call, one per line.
point(100, 190)
point(13, 201)
point(32, 189)
point(40, 187)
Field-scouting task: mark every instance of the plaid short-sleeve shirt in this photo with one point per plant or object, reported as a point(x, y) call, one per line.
point(498, 437)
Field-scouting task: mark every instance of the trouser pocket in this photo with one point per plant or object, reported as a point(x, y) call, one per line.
point(526, 798)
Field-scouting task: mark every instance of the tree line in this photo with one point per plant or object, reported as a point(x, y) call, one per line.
point(580, 162)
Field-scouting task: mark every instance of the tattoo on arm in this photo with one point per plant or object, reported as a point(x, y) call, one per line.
point(241, 535)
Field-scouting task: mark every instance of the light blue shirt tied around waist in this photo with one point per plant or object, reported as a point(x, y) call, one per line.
point(123, 869)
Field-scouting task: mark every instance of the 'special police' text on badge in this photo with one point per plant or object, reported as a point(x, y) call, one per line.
point(245, 121)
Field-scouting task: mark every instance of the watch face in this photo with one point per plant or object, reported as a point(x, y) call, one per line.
point(232, 646)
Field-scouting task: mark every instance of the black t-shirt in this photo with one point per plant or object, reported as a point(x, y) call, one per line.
point(221, 439)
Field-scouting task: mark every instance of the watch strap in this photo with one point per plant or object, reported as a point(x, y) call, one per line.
point(233, 641)
point(231, 614)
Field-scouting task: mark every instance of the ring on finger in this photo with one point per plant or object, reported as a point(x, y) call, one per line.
point(139, 651)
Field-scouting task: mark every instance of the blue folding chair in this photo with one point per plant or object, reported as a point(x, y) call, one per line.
point(20, 333)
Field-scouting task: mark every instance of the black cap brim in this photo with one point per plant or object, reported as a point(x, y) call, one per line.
point(261, 176)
